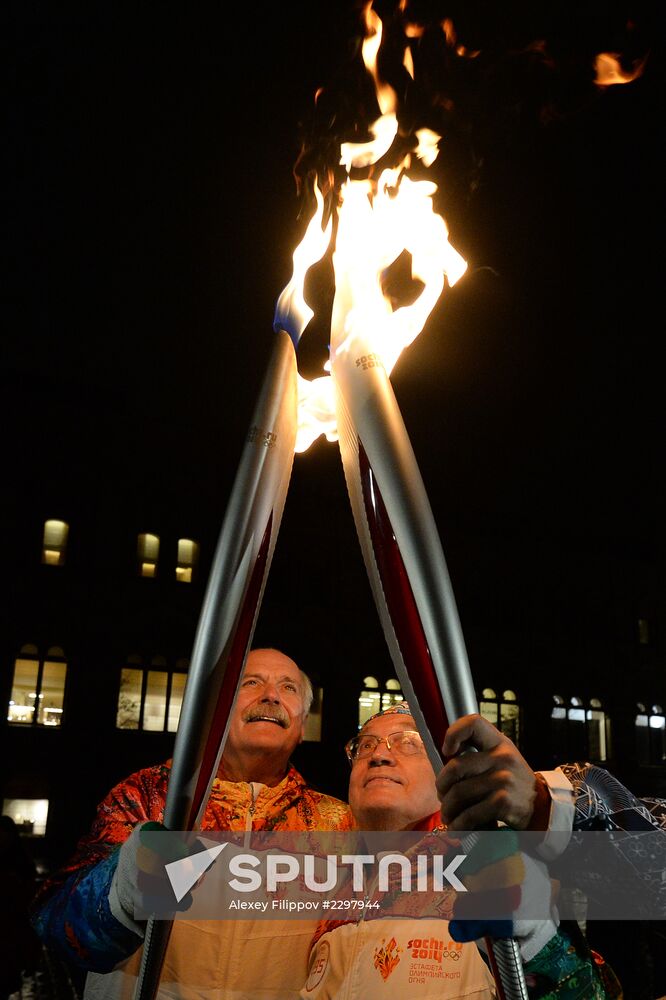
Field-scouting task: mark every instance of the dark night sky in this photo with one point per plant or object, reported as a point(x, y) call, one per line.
point(152, 214)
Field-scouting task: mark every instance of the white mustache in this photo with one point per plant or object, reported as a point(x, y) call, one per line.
point(271, 715)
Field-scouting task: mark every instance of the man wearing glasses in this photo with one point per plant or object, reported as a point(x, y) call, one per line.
point(391, 788)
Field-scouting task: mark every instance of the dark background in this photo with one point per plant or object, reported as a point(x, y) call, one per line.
point(151, 212)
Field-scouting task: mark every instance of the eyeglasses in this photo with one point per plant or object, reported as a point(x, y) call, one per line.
point(406, 743)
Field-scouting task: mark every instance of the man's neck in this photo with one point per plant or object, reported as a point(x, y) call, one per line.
point(381, 819)
point(268, 770)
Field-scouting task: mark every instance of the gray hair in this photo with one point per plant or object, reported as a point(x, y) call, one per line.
point(307, 693)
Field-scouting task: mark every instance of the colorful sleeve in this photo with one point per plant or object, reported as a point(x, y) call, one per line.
point(71, 911)
point(77, 920)
point(567, 969)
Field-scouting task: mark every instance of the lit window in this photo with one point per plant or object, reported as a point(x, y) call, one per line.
point(598, 731)
point(128, 711)
point(38, 687)
point(642, 734)
point(188, 556)
point(28, 814)
point(657, 720)
point(313, 721)
point(488, 705)
point(504, 713)
point(54, 543)
point(151, 699)
point(176, 700)
point(576, 733)
point(148, 550)
point(369, 700)
point(155, 701)
point(392, 695)
point(643, 631)
point(510, 716)
point(373, 699)
point(576, 712)
point(558, 711)
point(651, 735)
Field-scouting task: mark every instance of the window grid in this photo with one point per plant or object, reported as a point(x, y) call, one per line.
point(38, 688)
point(149, 699)
point(579, 732)
point(375, 698)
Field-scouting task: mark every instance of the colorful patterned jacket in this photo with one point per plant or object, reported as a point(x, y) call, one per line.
point(72, 912)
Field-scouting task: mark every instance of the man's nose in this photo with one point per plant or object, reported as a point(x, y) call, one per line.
point(271, 692)
point(382, 755)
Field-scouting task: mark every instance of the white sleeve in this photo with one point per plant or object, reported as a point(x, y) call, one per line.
point(560, 821)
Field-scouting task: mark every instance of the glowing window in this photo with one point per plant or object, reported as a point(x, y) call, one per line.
point(598, 731)
point(150, 699)
point(576, 712)
point(188, 556)
point(30, 815)
point(52, 690)
point(391, 695)
point(148, 550)
point(657, 735)
point(375, 698)
point(128, 712)
point(54, 543)
point(38, 688)
point(503, 713)
point(368, 705)
point(488, 707)
point(175, 701)
point(314, 719)
point(510, 716)
point(642, 734)
point(643, 631)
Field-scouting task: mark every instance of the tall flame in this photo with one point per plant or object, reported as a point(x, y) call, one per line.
point(609, 71)
point(377, 222)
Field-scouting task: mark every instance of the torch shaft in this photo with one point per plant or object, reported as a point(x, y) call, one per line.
point(228, 616)
point(408, 575)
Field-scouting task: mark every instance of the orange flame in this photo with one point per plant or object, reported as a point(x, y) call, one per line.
point(609, 71)
point(378, 221)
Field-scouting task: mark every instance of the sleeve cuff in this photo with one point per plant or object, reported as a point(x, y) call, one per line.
point(560, 821)
point(121, 915)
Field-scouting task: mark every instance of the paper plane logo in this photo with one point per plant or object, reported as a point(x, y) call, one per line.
point(185, 873)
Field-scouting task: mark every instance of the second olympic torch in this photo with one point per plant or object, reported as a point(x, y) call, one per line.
point(228, 616)
point(407, 570)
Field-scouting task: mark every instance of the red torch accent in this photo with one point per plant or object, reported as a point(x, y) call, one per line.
point(401, 604)
point(233, 671)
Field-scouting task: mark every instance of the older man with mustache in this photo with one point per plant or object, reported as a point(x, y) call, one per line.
point(87, 910)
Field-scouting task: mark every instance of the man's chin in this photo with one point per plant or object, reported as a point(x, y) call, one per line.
point(266, 734)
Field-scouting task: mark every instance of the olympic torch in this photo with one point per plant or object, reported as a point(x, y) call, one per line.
point(377, 222)
point(407, 570)
point(237, 580)
point(228, 616)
